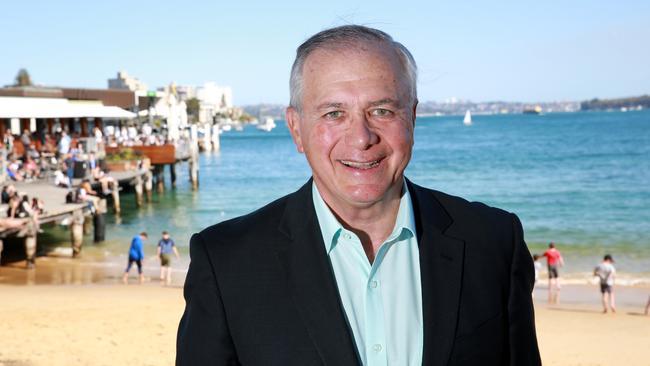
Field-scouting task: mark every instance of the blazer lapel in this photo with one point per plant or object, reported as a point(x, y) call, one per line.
point(441, 266)
point(311, 281)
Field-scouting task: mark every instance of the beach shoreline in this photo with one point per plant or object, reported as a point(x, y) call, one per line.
point(86, 320)
point(60, 268)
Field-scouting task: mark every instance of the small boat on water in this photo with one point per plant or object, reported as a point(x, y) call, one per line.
point(267, 126)
point(467, 121)
point(534, 110)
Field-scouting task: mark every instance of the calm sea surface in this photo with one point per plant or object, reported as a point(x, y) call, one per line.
point(579, 179)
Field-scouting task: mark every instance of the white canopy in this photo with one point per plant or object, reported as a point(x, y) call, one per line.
point(23, 107)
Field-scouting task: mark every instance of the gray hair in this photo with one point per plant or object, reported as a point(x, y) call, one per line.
point(344, 36)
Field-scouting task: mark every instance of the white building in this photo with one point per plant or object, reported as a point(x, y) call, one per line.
point(167, 105)
point(185, 92)
point(124, 81)
point(213, 99)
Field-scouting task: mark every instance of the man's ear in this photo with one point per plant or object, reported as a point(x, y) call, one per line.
point(293, 122)
point(415, 109)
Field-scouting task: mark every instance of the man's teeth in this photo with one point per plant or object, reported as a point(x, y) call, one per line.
point(360, 165)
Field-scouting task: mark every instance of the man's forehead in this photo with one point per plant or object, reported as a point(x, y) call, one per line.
point(360, 51)
point(370, 103)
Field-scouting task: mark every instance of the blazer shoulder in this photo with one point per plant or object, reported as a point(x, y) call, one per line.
point(459, 208)
point(475, 207)
point(486, 230)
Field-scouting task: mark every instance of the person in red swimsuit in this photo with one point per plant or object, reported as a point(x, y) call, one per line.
point(554, 260)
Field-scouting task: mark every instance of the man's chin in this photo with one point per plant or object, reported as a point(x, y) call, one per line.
point(363, 195)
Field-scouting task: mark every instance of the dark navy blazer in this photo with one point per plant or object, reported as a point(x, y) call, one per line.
point(260, 289)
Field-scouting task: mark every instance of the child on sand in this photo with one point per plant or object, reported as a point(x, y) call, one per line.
point(538, 266)
point(606, 273)
point(136, 255)
point(165, 248)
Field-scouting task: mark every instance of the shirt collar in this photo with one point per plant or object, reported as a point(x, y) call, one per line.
point(331, 228)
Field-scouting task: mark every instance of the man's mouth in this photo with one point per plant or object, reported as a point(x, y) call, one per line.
point(363, 165)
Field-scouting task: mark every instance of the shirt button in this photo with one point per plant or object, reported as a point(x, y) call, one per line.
point(374, 284)
point(347, 236)
point(377, 347)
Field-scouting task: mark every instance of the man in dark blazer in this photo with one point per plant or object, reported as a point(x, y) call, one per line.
point(360, 265)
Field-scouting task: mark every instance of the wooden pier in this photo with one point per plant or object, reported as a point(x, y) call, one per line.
point(79, 217)
point(41, 110)
point(168, 154)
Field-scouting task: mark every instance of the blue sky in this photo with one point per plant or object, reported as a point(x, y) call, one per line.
point(482, 51)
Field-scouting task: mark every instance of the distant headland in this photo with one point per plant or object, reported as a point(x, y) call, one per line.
point(618, 103)
point(455, 106)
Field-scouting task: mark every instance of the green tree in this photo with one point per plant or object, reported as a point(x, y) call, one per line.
point(193, 106)
point(23, 79)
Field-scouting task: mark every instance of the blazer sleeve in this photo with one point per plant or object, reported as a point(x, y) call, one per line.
point(523, 339)
point(203, 335)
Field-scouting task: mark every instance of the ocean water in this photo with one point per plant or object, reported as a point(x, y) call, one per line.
point(581, 180)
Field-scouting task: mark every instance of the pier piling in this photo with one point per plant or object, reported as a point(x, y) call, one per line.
point(216, 145)
point(159, 176)
point(138, 190)
point(115, 192)
point(194, 166)
point(30, 243)
point(172, 172)
point(207, 137)
point(100, 222)
point(76, 232)
point(148, 185)
point(30, 251)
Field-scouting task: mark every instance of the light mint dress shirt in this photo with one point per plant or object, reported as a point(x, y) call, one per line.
point(382, 300)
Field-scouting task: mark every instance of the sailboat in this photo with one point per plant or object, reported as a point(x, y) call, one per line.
point(467, 121)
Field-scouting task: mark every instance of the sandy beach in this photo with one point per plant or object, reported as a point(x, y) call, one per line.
point(107, 323)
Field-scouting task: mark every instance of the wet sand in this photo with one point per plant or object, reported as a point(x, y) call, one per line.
point(82, 319)
point(575, 331)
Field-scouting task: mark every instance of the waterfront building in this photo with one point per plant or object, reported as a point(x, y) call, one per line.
point(164, 104)
point(127, 82)
point(50, 110)
point(213, 99)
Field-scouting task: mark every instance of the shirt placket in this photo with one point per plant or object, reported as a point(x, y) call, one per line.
point(374, 322)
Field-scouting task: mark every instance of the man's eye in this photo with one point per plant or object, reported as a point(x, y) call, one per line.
point(333, 114)
point(381, 112)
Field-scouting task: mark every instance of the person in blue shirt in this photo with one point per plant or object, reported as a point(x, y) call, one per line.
point(136, 255)
point(166, 247)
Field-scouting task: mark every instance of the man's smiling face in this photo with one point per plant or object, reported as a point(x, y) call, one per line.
point(355, 124)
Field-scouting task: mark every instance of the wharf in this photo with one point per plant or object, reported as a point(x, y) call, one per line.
point(168, 154)
point(77, 216)
point(123, 178)
point(54, 206)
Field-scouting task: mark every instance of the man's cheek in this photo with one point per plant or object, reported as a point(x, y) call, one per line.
point(325, 136)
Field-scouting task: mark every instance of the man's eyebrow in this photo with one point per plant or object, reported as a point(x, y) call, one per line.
point(327, 105)
point(383, 102)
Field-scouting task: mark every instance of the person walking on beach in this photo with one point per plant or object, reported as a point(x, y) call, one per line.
point(606, 273)
point(166, 247)
point(647, 306)
point(136, 255)
point(554, 260)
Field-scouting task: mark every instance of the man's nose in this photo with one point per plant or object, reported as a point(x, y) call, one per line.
point(359, 134)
